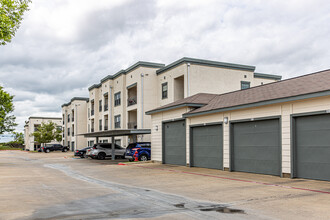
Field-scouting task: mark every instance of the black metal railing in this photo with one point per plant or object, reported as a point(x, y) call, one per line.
point(105, 128)
point(131, 101)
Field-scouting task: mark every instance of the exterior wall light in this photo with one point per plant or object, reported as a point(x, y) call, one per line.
point(225, 120)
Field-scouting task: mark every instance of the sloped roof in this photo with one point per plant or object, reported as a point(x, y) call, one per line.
point(287, 90)
point(197, 100)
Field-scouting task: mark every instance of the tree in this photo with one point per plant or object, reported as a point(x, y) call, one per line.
point(11, 15)
point(7, 121)
point(47, 132)
point(18, 137)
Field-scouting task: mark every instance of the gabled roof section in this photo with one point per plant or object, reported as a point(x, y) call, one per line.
point(206, 63)
point(94, 86)
point(76, 99)
point(131, 68)
point(302, 87)
point(267, 76)
point(197, 100)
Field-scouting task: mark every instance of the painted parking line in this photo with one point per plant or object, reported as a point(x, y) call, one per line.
point(227, 178)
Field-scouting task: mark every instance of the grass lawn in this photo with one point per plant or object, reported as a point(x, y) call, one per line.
point(4, 147)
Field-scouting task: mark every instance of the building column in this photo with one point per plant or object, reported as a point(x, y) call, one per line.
point(113, 148)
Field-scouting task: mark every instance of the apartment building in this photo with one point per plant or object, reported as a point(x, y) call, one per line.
point(119, 101)
point(31, 126)
point(74, 115)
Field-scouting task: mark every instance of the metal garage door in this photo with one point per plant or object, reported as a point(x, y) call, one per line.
point(312, 147)
point(256, 147)
point(206, 146)
point(174, 148)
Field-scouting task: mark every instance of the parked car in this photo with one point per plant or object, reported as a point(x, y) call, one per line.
point(54, 147)
point(82, 152)
point(143, 151)
point(103, 150)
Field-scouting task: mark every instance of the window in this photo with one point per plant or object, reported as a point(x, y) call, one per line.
point(117, 99)
point(100, 125)
point(117, 121)
point(245, 85)
point(68, 131)
point(68, 117)
point(164, 90)
point(100, 105)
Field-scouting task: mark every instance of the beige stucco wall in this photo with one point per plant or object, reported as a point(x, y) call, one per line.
point(205, 79)
point(284, 110)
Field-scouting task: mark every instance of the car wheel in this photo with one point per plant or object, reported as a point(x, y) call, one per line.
point(47, 151)
point(130, 160)
point(65, 150)
point(143, 157)
point(123, 157)
point(101, 156)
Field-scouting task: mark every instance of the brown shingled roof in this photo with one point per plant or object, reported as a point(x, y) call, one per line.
point(307, 84)
point(198, 99)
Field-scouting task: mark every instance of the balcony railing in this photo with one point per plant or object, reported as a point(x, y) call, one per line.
point(105, 107)
point(92, 112)
point(105, 128)
point(131, 101)
point(92, 129)
point(132, 125)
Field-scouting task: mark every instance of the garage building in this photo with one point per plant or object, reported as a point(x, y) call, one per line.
point(281, 128)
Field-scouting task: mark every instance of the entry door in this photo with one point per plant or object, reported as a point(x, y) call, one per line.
point(207, 146)
point(256, 147)
point(174, 142)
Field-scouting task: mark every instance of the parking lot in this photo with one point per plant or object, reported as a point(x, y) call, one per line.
point(58, 186)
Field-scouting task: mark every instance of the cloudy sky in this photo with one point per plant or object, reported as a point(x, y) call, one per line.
point(63, 46)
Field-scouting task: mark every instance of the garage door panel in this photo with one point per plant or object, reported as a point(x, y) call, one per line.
point(207, 150)
point(312, 147)
point(265, 152)
point(175, 143)
point(256, 147)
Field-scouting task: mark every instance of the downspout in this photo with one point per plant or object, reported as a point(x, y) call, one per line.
point(142, 75)
point(188, 79)
point(110, 108)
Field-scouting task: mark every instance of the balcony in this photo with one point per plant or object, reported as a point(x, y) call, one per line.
point(117, 124)
point(132, 125)
point(105, 107)
point(131, 101)
point(105, 128)
point(92, 112)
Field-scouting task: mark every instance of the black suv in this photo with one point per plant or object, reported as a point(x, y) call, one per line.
point(54, 147)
